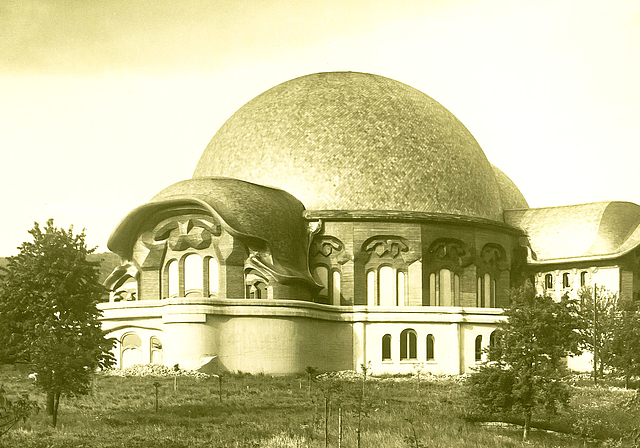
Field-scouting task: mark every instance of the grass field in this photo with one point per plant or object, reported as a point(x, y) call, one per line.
point(264, 411)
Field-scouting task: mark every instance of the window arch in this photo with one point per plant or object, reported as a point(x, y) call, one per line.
point(214, 276)
point(400, 288)
point(258, 290)
point(486, 291)
point(548, 281)
point(431, 342)
point(478, 348)
point(193, 276)
point(173, 279)
point(565, 280)
point(386, 347)
point(386, 288)
point(583, 278)
point(131, 352)
point(408, 345)
point(335, 287)
point(155, 355)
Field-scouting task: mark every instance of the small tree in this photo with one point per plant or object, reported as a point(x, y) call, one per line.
point(528, 360)
point(625, 340)
point(48, 313)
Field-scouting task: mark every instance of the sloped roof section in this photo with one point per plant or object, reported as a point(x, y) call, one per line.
point(605, 229)
point(267, 219)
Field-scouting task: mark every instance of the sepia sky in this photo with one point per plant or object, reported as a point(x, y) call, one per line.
point(105, 103)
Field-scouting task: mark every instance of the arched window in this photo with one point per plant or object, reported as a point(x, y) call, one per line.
point(565, 280)
point(130, 350)
point(335, 288)
point(400, 299)
point(258, 291)
point(371, 288)
point(386, 287)
point(322, 275)
point(156, 350)
point(548, 281)
point(431, 343)
point(479, 348)
point(173, 279)
point(434, 290)
point(192, 274)
point(493, 338)
point(408, 345)
point(583, 278)
point(486, 291)
point(386, 347)
point(214, 269)
point(444, 287)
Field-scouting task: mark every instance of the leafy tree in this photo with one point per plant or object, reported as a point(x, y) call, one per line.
point(13, 412)
point(597, 316)
point(527, 363)
point(625, 340)
point(48, 313)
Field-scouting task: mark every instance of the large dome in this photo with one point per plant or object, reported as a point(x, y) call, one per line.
point(355, 141)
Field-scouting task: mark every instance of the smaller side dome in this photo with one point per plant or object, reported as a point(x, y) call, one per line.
point(511, 196)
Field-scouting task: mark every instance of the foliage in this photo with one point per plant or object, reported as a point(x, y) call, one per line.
point(625, 340)
point(14, 411)
point(48, 313)
point(598, 314)
point(527, 364)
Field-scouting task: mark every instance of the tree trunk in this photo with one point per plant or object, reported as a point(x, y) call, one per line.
point(49, 406)
point(56, 403)
point(527, 426)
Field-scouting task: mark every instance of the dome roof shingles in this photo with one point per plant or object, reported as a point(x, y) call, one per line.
point(355, 141)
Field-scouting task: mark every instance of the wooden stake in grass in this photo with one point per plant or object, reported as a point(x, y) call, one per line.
point(157, 386)
point(220, 387)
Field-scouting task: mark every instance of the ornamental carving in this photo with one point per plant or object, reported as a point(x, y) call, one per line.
point(329, 247)
point(449, 251)
point(178, 235)
point(390, 248)
point(493, 256)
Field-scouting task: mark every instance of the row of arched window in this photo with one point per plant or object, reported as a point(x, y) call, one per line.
point(197, 274)
point(408, 346)
point(566, 280)
point(131, 350)
point(386, 287)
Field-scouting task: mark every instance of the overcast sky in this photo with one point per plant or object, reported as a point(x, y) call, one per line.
point(105, 103)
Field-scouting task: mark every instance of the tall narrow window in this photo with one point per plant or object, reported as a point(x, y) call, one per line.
point(386, 287)
point(213, 277)
point(371, 288)
point(192, 274)
point(156, 351)
point(173, 279)
point(258, 291)
point(431, 342)
point(400, 300)
point(492, 302)
point(386, 347)
point(433, 295)
point(322, 276)
point(583, 278)
point(456, 290)
point(565, 280)
point(487, 290)
point(479, 293)
point(335, 288)
point(445, 287)
point(479, 348)
point(408, 345)
point(548, 281)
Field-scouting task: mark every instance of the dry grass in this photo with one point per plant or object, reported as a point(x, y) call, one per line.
point(264, 411)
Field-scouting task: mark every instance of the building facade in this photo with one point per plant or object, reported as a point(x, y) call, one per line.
point(341, 219)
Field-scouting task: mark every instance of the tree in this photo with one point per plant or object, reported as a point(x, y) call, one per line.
point(597, 316)
point(625, 340)
point(48, 313)
point(526, 364)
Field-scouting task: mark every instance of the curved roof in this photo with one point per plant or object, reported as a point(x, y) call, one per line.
point(267, 219)
point(356, 141)
point(511, 196)
point(585, 231)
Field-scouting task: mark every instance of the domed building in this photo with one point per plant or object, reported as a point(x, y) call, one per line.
point(341, 219)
